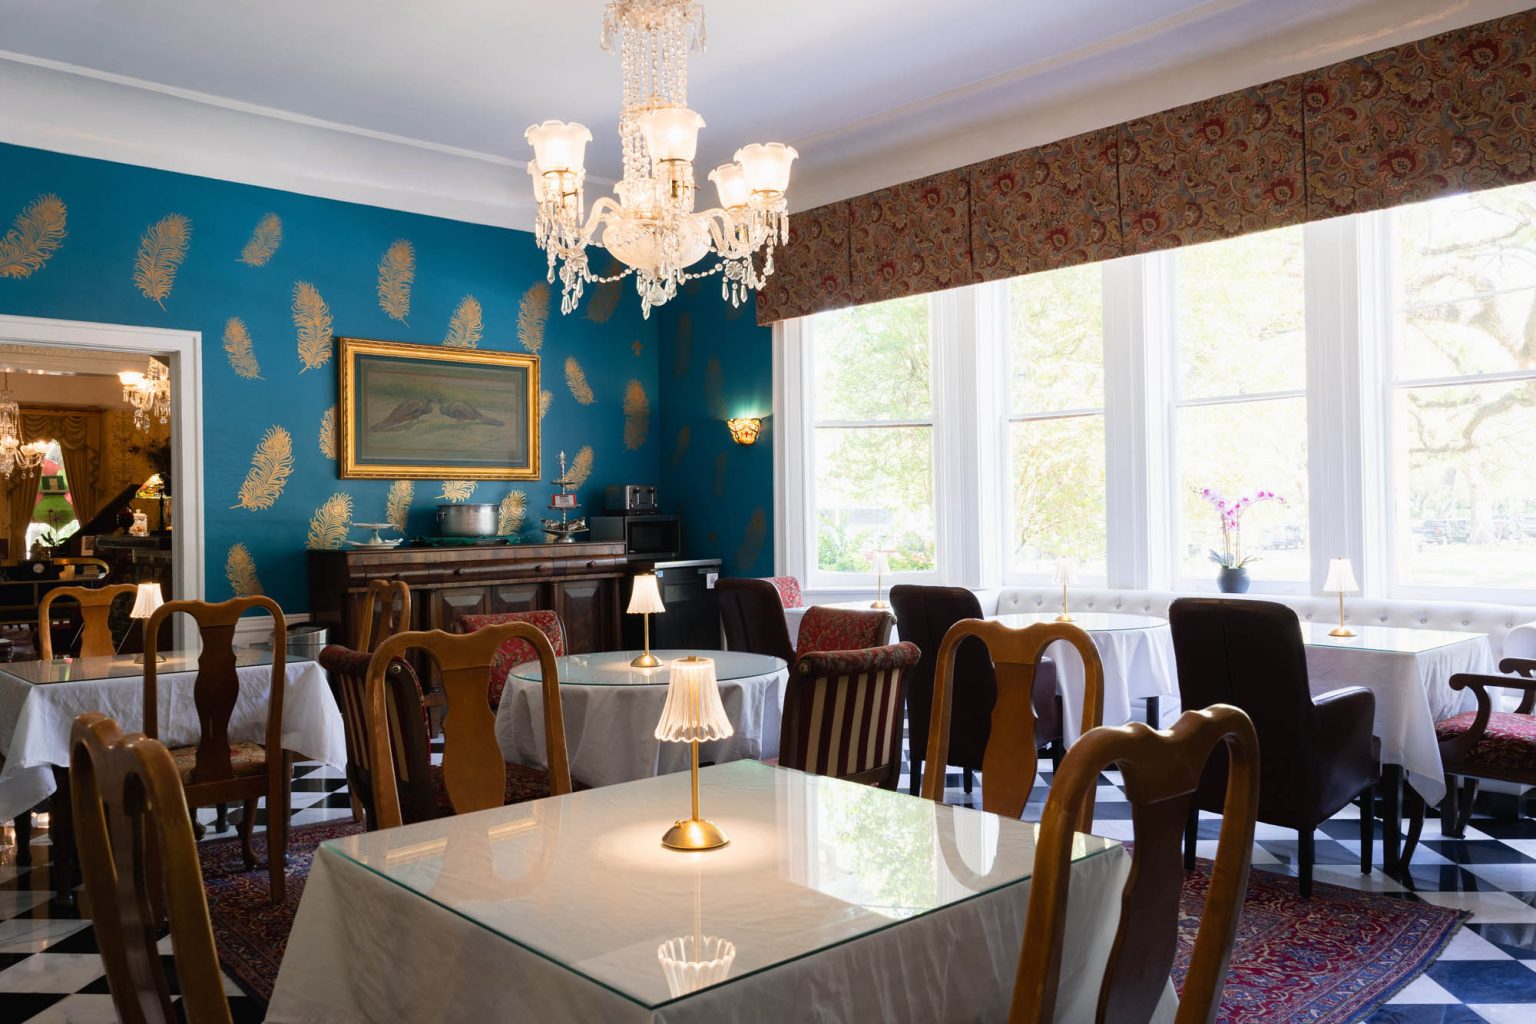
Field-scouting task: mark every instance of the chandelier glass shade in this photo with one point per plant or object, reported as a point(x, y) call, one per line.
point(650, 223)
point(16, 454)
point(149, 393)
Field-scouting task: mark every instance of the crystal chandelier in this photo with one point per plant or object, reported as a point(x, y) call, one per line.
point(14, 454)
point(650, 223)
point(149, 393)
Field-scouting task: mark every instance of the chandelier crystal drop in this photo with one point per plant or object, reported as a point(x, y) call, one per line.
point(14, 453)
point(149, 393)
point(649, 224)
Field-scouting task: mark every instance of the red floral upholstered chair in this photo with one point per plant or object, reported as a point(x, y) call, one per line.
point(1487, 744)
point(842, 713)
point(842, 629)
point(789, 590)
point(515, 651)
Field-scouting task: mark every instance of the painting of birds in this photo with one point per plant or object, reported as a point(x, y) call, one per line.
point(404, 415)
point(466, 413)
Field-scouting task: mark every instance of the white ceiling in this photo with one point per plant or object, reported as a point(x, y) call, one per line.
point(870, 91)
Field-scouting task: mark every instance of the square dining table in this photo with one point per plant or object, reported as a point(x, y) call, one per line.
point(833, 901)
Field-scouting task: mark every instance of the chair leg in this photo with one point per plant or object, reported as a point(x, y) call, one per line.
point(1467, 798)
point(1448, 806)
point(23, 825)
point(1154, 712)
point(221, 818)
point(1305, 855)
point(1367, 827)
point(967, 780)
point(1416, 812)
point(1058, 751)
point(246, 827)
point(915, 779)
point(1191, 833)
point(277, 832)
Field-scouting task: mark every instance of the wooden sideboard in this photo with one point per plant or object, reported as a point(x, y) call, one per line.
point(582, 582)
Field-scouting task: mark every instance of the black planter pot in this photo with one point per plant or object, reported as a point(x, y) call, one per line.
point(1232, 579)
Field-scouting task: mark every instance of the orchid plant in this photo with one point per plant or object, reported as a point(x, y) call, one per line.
point(1231, 512)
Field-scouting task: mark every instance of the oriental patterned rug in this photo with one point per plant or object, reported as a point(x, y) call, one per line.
point(1327, 960)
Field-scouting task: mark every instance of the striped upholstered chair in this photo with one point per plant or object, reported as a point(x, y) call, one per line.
point(515, 651)
point(842, 714)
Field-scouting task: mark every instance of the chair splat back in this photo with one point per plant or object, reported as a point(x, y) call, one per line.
point(95, 612)
point(386, 611)
point(1008, 763)
point(123, 791)
point(472, 758)
point(1162, 771)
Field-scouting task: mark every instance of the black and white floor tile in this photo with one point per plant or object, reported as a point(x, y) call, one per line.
point(50, 970)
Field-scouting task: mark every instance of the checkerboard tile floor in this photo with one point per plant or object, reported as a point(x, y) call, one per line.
point(50, 970)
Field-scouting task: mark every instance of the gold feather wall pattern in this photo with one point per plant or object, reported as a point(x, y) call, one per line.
point(606, 295)
point(581, 467)
point(328, 526)
point(240, 570)
point(714, 389)
point(271, 465)
point(682, 350)
point(264, 241)
point(312, 320)
point(637, 415)
point(546, 399)
point(509, 517)
point(35, 235)
point(240, 349)
point(720, 468)
point(533, 317)
point(638, 347)
point(397, 271)
point(328, 433)
point(680, 448)
point(397, 506)
point(752, 539)
point(576, 380)
point(161, 250)
point(467, 325)
point(457, 490)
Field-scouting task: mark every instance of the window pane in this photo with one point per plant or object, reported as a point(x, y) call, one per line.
point(1466, 284)
point(1058, 494)
point(1241, 316)
point(1239, 449)
point(1466, 512)
point(872, 362)
point(1057, 328)
point(874, 490)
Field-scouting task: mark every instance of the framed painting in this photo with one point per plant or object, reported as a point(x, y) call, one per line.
point(427, 412)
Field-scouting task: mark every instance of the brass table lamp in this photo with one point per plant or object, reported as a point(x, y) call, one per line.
point(1064, 575)
point(1341, 581)
point(645, 600)
point(693, 714)
point(145, 601)
point(882, 569)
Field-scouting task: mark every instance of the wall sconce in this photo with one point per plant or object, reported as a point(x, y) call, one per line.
point(744, 429)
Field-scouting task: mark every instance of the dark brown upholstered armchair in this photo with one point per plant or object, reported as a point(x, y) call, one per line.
point(753, 616)
point(923, 616)
point(1317, 752)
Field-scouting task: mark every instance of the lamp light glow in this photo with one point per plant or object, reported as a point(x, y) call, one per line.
point(744, 429)
point(693, 714)
point(766, 166)
point(671, 133)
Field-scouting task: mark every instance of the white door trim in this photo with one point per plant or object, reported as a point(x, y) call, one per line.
point(183, 351)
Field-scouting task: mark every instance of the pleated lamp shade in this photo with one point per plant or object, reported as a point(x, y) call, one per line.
point(1065, 572)
point(693, 962)
point(146, 600)
point(646, 597)
point(693, 711)
point(1341, 577)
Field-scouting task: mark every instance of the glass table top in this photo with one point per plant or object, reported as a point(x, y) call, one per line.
point(1091, 622)
point(1384, 639)
point(612, 668)
point(121, 666)
point(813, 862)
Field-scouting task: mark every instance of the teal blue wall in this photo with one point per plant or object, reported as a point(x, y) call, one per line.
point(717, 363)
point(336, 246)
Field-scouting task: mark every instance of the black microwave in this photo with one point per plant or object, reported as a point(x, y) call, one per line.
point(653, 538)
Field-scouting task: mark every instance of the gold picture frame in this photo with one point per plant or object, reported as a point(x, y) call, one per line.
point(428, 412)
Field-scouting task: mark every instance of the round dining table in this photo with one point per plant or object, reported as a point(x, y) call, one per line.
point(611, 709)
point(1137, 653)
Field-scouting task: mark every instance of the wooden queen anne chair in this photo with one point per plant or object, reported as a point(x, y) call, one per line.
point(1162, 770)
point(218, 771)
point(95, 608)
point(133, 829)
point(473, 776)
point(386, 611)
point(1008, 765)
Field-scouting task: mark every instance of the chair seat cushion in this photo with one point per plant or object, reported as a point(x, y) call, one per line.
point(244, 759)
point(523, 783)
point(1508, 745)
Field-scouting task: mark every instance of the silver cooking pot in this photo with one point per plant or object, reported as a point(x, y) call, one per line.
point(466, 520)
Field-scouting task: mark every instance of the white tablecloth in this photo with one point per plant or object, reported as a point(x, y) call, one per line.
point(1413, 692)
point(35, 721)
point(610, 731)
point(1138, 663)
point(369, 948)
